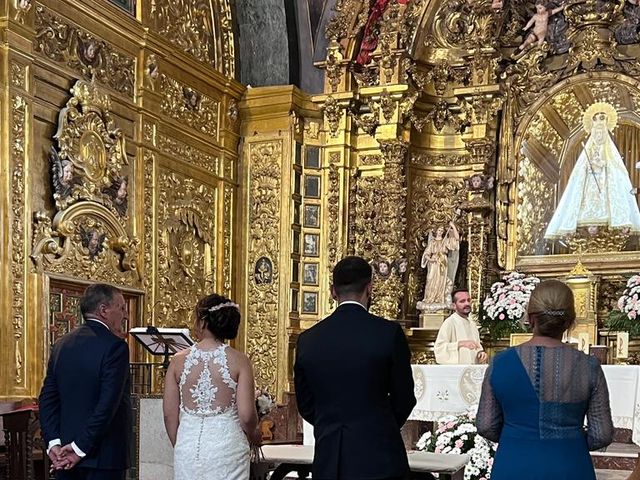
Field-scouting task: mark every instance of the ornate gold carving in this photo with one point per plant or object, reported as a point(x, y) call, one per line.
point(368, 121)
point(186, 246)
point(387, 105)
point(22, 8)
point(150, 266)
point(188, 106)
point(264, 217)
point(233, 112)
point(18, 142)
point(535, 204)
point(228, 49)
point(149, 132)
point(600, 239)
point(91, 154)
point(332, 115)
point(579, 270)
point(195, 28)
point(82, 52)
point(442, 74)
point(381, 222)
point(459, 23)
point(151, 70)
point(370, 160)
point(434, 159)
point(333, 211)
point(350, 17)
point(190, 154)
point(18, 75)
point(87, 239)
point(86, 235)
point(334, 67)
point(227, 240)
point(441, 115)
point(311, 129)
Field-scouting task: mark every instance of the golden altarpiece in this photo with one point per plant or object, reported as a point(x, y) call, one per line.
point(131, 155)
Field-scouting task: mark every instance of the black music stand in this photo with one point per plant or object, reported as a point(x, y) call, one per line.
point(162, 341)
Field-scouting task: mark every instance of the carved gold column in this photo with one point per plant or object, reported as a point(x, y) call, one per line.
point(18, 373)
point(271, 243)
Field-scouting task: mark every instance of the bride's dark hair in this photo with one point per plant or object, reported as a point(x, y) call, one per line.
point(223, 321)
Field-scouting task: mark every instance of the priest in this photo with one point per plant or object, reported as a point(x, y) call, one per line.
point(458, 340)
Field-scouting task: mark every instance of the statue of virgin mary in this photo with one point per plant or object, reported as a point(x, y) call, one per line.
point(598, 192)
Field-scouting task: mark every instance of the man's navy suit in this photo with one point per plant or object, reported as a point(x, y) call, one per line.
point(86, 399)
point(354, 385)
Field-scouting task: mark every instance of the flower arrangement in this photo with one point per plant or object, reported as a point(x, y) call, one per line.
point(627, 316)
point(458, 435)
point(264, 404)
point(506, 304)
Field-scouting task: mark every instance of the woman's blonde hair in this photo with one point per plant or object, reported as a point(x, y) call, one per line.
point(553, 308)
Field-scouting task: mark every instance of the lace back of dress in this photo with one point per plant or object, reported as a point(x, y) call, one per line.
point(206, 385)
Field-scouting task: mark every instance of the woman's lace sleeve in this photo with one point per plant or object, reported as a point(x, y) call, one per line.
point(489, 420)
point(599, 423)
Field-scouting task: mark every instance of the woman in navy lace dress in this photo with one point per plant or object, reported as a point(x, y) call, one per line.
point(535, 398)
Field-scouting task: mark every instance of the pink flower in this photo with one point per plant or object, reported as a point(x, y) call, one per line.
point(632, 314)
point(490, 461)
point(459, 443)
point(501, 316)
point(450, 425)
point(438, 449)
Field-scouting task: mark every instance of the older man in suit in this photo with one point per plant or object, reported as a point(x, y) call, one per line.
point(354, 384)
point(85, 403)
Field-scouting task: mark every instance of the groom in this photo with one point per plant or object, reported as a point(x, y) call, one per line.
point(354, 384)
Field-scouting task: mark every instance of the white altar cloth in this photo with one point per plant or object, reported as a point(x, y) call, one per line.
point(452, 389)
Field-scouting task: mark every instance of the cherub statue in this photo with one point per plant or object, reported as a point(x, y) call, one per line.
point(118, 192)
point(63, 177)
point(93, 241)
point(540, 23)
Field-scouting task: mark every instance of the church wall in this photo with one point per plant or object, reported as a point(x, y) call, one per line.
point(171, 93)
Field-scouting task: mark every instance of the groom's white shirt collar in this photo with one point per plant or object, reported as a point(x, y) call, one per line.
point(346, 302)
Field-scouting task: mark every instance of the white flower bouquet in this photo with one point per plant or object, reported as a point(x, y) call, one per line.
point(458, 435)
point(627, 316)
point(506, 304)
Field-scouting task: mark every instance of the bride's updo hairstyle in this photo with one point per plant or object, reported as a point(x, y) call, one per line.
point(220, 315)
point(552, 307)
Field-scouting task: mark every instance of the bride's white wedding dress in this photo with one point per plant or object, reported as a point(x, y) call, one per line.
point(210, 444)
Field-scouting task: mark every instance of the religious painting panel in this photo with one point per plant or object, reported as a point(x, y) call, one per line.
point(312, 216)
point(309, 303)
point(128, 6)
point(577, 181)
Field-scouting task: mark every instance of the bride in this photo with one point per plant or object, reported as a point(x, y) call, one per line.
point(209, 399)
point(598, 192)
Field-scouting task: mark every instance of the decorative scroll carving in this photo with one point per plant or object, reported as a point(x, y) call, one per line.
point(18, 142)
point(228, 49)
point(441, 115)
point(332, 115)
point(86, 235)
point(188, 25)
point(535, 204)
point(459, 23)
point(227, 240)
point(189, 154)
point(439, 160)
point(371, 160)
point(333, 211)
point(188, 106)
point(18, 76)
point(186, 246)
point(86, 55)
point(151, 71)
point(91, 156)
point(264, 217)
point(149, 232)
point(433, 202)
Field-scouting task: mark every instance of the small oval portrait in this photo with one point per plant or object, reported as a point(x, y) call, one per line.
point(263, 272)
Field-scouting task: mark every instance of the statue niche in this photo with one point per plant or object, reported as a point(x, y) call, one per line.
point(87, 236)
point(599, 192)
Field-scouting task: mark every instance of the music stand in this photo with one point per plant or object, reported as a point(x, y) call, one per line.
point(162, 341)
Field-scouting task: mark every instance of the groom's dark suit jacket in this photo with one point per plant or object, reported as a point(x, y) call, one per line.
point(85, 397)
point(354, 385)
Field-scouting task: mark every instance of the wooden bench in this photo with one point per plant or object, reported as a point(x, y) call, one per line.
point(285, 459)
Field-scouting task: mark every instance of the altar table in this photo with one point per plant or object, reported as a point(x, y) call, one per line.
point(453, 389)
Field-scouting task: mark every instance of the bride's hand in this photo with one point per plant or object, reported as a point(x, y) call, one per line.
point(255, 437)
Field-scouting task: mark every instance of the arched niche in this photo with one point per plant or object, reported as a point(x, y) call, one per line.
point(548, 140)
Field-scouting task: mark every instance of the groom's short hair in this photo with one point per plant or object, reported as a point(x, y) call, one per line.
point(351, 275)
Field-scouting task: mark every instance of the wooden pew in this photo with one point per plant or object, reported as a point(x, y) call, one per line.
point(285, 459)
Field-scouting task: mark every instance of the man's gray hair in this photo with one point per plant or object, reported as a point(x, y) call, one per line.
point(96, 295)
